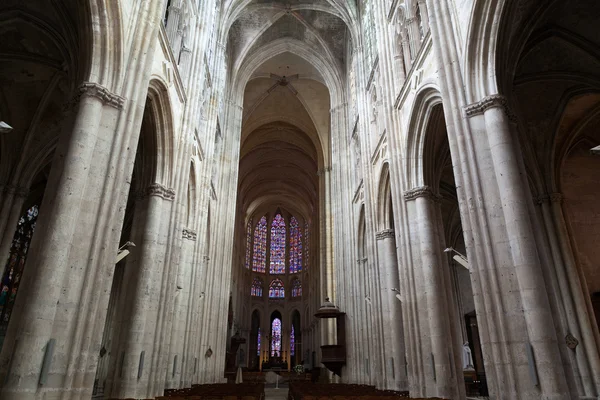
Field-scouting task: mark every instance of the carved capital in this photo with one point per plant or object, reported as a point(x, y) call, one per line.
point(323, 171)
point(549, 198)
point(16, 191)
point(159, 190)
point(488, 102)
point(385, 234)
point(100, 92)
point(189, 234)
point(422, 191)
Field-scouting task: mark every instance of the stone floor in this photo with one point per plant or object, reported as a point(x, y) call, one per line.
point(276, 394)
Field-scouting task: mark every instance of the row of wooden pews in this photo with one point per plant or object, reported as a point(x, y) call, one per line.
point(338, 391)
point(218, 391)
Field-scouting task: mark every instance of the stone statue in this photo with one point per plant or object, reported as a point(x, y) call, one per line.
point(467, 357)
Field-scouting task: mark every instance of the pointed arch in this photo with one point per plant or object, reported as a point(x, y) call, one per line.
point(384, 199)
point(257, 288)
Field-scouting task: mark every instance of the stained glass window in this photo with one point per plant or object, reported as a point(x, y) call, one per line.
point(276, 337)
point(276, 290)
point(295, 246)
point(258, 344)
point(13, 271)
point(296, 288)
point(292, 342)
point(260, 246)
point(248, 245)
point(257, 288)
point(277, 265)
point(306, 246)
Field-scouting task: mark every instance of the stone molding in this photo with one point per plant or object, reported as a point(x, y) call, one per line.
point(17, 191)
point(103, 94)
point(205, 258)
point(361, 260)
point(189, 234)
point(156, 189)
point(495, 100)
point(323, 170)
point(549, 198)
point(337, 108)
point(385, 234)
point(422, 191)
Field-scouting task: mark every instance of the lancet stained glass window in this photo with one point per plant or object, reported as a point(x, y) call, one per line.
point(260, 246)
point(296, 288)
point(248, 245)
point(292, 342)
point(276, 289)
point(258, 344)
point(306, 246)
point(295, 246)
point(257, 288)
point(277, 265)
point(276, 337)
point(13, 271)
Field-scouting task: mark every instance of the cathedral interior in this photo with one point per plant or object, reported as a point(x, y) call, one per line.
point(403, 194)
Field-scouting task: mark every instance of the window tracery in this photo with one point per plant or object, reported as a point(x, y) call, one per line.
point(295, 246)
point(277, 264)
point(248, 245)
point(257, 288)
point(260, 246)
point(306, 246)
point(276, 289)
point(296, 288)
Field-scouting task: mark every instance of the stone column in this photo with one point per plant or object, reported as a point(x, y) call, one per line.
point(44, 309)
point(180, 328)
point(444, 378)
point(424, 16)
point(12, 208)
point(393, 338)
point(492, 117)
point(141, 303)
point(173, 21)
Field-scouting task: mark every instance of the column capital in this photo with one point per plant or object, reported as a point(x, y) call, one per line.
point(421, 191)
point(156, 189)
point(189, 234)
point(323, 170)
point(493, 101)
point(103, 94)
point(385, 234)
point(549, 198)
point(14, 190)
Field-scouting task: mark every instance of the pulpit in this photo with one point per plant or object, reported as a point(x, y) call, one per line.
point(333, 356)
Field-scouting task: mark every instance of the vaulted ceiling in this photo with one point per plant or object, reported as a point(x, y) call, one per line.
point(286, 118)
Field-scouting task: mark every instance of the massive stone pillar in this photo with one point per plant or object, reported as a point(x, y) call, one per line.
point(11, 209)
point(527, 320)
point(56, 306)
point(438, 342)
point(393, 335)
point(141, 304)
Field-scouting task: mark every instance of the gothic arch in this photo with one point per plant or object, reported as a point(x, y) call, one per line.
point(162, 120)
point(417, 160)
point(384, 199)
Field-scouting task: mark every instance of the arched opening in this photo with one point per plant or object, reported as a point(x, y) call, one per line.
point(276, 337)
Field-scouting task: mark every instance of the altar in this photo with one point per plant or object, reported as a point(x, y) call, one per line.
point(275, 362)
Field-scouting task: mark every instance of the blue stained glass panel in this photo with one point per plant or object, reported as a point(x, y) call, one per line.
point(276, 289)
point(277, 264)
point(276, 337)
point(260, 246)
point(295, 246)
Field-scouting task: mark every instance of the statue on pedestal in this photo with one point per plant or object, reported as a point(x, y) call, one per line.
point(467, 358)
